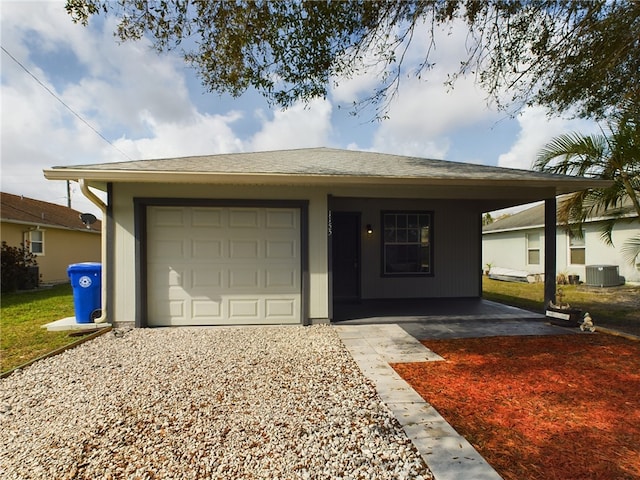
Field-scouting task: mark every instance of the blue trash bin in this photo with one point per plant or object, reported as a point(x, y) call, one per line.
point(86, 281)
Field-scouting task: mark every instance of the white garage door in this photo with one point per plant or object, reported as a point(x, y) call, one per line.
point(223, 266)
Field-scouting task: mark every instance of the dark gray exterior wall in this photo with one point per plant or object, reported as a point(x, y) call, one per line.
point(456, 243)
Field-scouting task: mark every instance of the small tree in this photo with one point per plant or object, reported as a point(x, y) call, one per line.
point(613, 155)
point(487, 219)
point(16, 264)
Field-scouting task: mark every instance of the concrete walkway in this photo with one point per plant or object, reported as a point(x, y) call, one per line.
point(448, 455)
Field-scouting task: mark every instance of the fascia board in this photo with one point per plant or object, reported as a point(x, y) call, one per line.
point(513, 229)
point(142, 176)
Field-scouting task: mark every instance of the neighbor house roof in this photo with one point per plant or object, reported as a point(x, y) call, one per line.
point(534, 218)
point(28, 211)
point(530, 218)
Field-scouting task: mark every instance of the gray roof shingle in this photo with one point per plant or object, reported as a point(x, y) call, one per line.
point(321, 162)
point(534, 217)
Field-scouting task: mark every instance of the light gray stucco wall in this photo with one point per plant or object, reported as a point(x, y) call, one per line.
point(124, 301)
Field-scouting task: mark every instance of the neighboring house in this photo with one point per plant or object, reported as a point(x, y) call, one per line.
point(53, 233)
point(278, 237)
point(517, 242)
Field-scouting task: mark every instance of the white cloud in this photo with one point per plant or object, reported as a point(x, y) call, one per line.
point(421, 147)
point(425, 112)
point(536, 130)
point(424, 116)
point(297, 127)
point(203, 135)
point(128, 93)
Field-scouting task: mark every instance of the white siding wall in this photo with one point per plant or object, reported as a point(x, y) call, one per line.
point(508, 250)
point(599, 253)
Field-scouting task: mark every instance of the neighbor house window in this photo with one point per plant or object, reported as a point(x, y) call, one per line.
point(576, 249)
point(407, 247)
point(36, 242)
point(533, 248)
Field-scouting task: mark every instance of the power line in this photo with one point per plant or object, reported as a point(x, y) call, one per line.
point(64, 104)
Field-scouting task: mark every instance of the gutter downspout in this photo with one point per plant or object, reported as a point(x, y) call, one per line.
point(103, 248)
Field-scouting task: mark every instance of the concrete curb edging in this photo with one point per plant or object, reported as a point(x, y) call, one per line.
point(617, 333)
point(57, 351)
point(448, 455)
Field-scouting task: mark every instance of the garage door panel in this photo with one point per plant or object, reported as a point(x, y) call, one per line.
point(245, 309)
point(168, 217)
point(167, 248)
point(206, 217)
point(277, 278)
point(281, 219)
point(241, 278)
point(208, 250)
point(165, 276)
point(206, 310)
point(208, 278)
point(281, 309)
point(165, 311)
point(209, 266)
point(244, 249)
point(244, 218)
point(281, 249)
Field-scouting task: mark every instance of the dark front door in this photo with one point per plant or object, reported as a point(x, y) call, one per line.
point(345, 249)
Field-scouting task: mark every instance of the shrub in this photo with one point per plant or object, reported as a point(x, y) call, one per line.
point(18, 265)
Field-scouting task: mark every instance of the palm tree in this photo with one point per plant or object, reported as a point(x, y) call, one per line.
point(609, 156)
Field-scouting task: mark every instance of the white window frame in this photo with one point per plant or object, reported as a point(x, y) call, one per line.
point(581, 246)
point(33, 242)
point(533, 249)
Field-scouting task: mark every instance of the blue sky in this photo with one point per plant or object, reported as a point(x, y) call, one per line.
point(153, 106)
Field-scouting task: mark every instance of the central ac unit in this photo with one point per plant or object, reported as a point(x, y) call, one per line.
point(602, 276)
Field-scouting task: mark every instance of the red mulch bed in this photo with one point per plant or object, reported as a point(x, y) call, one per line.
point(559, 407)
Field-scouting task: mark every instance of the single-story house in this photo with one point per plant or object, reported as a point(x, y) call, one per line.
point(277, 237)
point(517, 242)
point(55, 234)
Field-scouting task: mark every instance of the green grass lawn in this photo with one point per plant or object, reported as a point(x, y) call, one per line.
point(615, 307)
point(23, 314)
point(21, 318)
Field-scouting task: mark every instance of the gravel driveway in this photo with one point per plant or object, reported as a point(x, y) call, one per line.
point(267, 402)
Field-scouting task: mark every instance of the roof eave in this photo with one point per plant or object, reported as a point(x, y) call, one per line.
point(513, 229)
point(44, 225)
point(561, 186)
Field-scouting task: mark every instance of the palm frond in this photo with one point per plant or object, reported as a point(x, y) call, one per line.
point(631, 250)
point(614, 154)
point(573, 154)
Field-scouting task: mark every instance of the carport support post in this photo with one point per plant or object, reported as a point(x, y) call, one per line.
point(549, 251)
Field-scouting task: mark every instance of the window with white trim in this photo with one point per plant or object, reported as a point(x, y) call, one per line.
point(577, 249)
point(36, 242)
point(407, 243)
point(533, 248)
